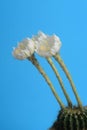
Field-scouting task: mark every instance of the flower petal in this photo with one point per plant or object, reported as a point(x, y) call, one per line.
point(24, 50)
point(45, 45)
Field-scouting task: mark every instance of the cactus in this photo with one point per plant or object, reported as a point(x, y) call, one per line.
point(71, 119)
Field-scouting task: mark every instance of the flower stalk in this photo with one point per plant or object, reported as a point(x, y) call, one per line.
point(60, 81)
point(63, 66)
point(36, 64)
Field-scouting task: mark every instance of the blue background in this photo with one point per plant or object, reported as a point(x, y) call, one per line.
point(26, 102)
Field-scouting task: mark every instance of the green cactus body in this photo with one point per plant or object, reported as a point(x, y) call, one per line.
point(71, 119)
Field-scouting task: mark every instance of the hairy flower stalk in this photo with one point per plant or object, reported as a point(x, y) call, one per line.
point(47, 46)
point(60, 61)
point(60, 81)
point(36, 64)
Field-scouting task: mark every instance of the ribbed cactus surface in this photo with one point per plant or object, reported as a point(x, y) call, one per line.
point(71, 119)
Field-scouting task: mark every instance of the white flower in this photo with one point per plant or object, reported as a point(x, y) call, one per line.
point(45, 45)
point(24, 49)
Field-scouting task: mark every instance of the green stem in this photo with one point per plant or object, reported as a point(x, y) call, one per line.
point(60, 80)
point(63, 66)
point(35, 62)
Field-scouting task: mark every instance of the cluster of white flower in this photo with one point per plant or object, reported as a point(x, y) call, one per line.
point(42, 44)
